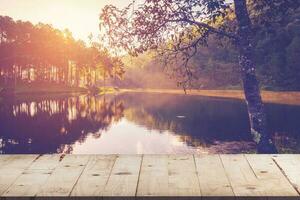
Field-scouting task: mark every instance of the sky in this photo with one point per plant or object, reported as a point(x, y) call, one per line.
point(81, 17)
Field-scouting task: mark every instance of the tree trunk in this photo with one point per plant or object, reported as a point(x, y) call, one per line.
point(104, 76)
point(95, 77)
point(254, 102)
point(77, 76)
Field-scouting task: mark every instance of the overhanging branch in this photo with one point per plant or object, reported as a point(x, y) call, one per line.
point(208, 27)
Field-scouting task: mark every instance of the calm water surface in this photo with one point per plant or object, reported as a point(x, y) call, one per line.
point(131, 123)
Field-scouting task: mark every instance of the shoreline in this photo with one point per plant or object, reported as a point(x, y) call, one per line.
point(40, 90)
point(278, 97)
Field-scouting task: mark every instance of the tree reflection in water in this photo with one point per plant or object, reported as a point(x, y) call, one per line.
point(138, 123)
point(52, 125)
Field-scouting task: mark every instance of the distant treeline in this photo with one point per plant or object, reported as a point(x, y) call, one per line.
point(277, 54)
point(40, 53)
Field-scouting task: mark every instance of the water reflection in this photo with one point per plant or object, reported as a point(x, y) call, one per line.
point(137, 123)
point(53, 125)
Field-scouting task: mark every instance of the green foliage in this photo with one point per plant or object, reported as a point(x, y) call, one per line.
point(277, 54)
point(277, 50)
point(170, 27)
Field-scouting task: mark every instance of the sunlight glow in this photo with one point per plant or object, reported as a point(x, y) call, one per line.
point(80, 16)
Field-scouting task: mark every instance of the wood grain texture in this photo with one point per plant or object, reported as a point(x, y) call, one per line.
point(212, 176)
point(242, 178)
point(256, 176)
point(271, 179)
point(12, 168)
point(95, 176)
point(124, 176)
point(290, 165)
point(183, 179)
point(168, 175)
point(154, 176)
point(151, 176)
point(33, 178)
point(64, 177)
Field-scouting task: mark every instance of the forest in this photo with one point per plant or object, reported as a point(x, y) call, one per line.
point(41, 54)
point(277, 54)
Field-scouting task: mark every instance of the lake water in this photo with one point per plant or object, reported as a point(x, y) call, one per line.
point(136, 123)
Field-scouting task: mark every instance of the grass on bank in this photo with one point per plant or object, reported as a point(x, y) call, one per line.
point(41, 88)
point(284, 97)
point(47, 88)
point(108, 90)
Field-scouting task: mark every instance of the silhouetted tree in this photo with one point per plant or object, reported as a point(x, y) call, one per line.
point(41, 53)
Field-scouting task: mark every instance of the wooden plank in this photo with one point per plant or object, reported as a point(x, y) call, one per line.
point(241, 176)
point(212, 176)
point(30, 181)
point(124, 177)
point(173, 175)
point(154, 176)
point(258, 176)
point(183, 179)
point(95, 176)
point(290, 166)
point(65, 176)
point(12, 168)
point(271, 179)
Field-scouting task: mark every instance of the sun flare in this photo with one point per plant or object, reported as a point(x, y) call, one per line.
point(81, 17)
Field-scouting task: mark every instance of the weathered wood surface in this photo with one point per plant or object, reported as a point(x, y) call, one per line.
point(202, 176)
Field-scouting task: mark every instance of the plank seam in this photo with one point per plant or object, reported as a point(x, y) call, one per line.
point(89, 159)
point(110, 172)
point(138, 181)
point(52, 170)
point(285, 175)
point(168, 170)
point(251, 167)
point(196, 170)
point(40, 155)
point(231, 187)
